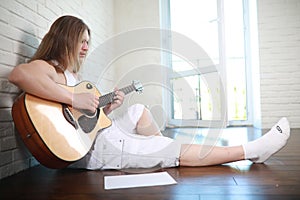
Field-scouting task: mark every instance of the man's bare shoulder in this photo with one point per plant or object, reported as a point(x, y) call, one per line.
point(40, 63)
point(42, 66)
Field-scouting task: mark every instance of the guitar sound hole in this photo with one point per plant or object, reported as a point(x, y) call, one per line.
point(88, 124)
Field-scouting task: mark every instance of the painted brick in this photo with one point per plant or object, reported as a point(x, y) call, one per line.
point(44, 11)
point(23, 49)
point(279, 42)
point(6, 158)
point(8, 143)
point(6, 129)
point(6, 44)
point(23, 24)
point(5, 114)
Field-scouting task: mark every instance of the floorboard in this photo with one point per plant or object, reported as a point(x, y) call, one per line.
point(278, 178)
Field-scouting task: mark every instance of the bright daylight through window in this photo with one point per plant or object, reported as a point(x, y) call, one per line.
point(218, 27)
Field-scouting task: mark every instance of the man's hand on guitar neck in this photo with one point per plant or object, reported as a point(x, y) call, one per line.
point(117, 101)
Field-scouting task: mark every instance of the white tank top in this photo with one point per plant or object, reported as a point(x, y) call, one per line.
point(71, 80)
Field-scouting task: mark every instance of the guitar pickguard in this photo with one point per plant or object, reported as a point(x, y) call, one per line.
point(87, 123)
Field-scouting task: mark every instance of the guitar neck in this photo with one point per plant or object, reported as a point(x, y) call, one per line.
point(108, 98)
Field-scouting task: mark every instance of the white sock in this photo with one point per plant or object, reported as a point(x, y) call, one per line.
point(262, 148)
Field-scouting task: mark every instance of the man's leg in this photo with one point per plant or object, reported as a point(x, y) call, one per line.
point(199, 155)
point(147, 125)
point(257, 151)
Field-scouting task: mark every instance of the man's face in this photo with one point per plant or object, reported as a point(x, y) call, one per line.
point(84, 46)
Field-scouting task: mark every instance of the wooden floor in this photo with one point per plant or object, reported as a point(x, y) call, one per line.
point(278, 178)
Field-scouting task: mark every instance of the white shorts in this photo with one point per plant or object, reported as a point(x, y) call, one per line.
point(119, 147)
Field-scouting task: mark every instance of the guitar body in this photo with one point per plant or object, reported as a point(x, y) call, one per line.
point(56, 134)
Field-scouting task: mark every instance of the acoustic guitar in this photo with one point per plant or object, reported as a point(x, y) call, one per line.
point(57, 134)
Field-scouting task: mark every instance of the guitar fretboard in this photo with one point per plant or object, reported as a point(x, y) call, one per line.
point(108, 98)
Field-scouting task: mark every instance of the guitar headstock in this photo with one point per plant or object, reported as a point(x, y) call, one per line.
point(137, 86)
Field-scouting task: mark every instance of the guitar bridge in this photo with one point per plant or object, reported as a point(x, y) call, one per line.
point(69, 116)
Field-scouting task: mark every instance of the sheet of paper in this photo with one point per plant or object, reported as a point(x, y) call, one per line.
point(138, 180)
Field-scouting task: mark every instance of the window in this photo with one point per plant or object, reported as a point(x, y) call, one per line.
point(219, 28)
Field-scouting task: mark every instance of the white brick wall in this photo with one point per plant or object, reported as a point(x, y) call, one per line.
point(279, 43)
point(22, 25)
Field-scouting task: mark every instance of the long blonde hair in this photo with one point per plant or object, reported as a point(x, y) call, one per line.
point(60, 44)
